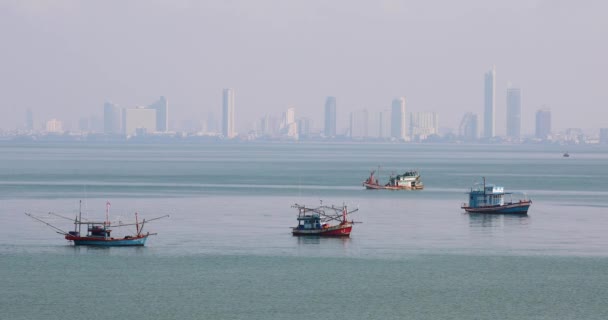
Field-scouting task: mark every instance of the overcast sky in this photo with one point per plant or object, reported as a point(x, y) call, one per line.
point(63, 59)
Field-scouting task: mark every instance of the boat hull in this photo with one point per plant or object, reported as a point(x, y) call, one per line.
point(112, 242)
point(371, 186)
point(335, 231)
point(511, 208)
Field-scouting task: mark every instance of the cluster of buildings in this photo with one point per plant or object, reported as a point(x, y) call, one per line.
point(136, 121)
point(389, 124)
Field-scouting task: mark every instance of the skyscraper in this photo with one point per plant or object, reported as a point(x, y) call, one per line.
point(468, 127)
point(514, 113)
point(489, 103)
point(54, 126)
point(304, 127)
point(543, 123)
point(162, 114)
point(398, 119)
point(423, 125)
point(359, 124)
point(112, 119)
point(330, 117)
point(228, 113)
point(289, 126)
point(384, 123)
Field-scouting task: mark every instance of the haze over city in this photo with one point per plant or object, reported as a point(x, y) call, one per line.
point(64, 59)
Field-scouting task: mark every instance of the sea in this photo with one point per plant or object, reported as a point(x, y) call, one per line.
point(226, 250)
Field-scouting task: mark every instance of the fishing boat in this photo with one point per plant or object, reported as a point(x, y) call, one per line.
point(566, 154)
point(409, 180)
point(492, 199)
point(99, 233)
point(326, 221)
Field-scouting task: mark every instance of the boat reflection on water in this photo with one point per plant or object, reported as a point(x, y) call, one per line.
point(490, 220)
point(318, 240)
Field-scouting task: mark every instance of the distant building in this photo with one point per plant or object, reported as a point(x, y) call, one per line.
point(398, 119)
point(139, 120)
point(112, 119)
point(330, 117)
point(543, 123)
point(489, 103)
point(212, 123)
point(162, 114)
point(304, 127)
point(384, 123)
point(423, 125)
point(374, 126)
point(289, 127)
point(54, 126)
point(268, 126)
point(468, 129)
point(359, 124)
point(228, 129)
point(29, 120)
point(514, 113)
point(604, 135)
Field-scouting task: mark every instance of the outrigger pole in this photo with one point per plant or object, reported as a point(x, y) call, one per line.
point(48, 224)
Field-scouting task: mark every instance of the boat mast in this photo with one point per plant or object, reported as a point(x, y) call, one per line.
point(136, 223)
point(107, 223)
point(79, 217)
point(107, 212)
point(485, 200)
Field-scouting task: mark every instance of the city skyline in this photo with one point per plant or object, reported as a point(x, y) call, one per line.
point(50, 55)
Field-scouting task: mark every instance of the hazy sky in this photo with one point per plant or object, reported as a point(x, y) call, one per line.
point(63, 59)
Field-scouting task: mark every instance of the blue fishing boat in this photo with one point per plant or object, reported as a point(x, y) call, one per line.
point(493, 199)
point(99, 233)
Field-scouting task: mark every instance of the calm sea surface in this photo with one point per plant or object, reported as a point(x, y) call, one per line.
point(226, 252)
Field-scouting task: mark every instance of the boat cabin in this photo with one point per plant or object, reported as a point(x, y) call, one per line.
point(488, 195)
point(309, 222)
point(407, 179)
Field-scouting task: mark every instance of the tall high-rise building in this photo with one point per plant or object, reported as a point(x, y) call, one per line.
point(330, 117)
point(112, 119)
point(543, 123)
point(514, 113)
point(289, 126)
point(468, 127)
point(384, 123)
point(228, 113)
point(304, 127)
point(489, 103)
point(29, 120)
point(398, 128)
point(162, 114)
point(423, 125)
point(359, 124)
point(54, 126)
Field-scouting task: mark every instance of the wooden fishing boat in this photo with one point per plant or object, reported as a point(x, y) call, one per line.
point(326, 221)
point(409, 180)
point(491, 199)
point(99, 233)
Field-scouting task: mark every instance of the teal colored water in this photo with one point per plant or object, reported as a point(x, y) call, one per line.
point(226, 252)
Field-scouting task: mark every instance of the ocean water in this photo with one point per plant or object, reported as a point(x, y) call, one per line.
point(226, 251)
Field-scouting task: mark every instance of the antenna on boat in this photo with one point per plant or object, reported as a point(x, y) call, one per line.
point(136, 223)
point(107, 212)
point(79, 217)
